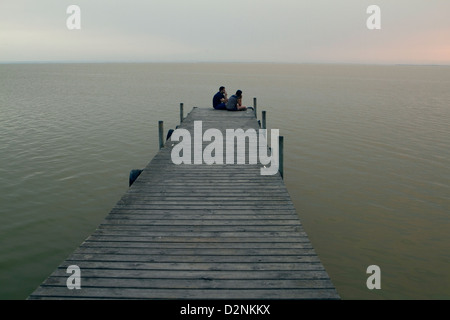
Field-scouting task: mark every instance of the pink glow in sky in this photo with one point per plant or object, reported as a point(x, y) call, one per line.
point(413, 31)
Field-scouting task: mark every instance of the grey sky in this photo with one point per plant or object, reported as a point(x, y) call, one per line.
point(413, 31)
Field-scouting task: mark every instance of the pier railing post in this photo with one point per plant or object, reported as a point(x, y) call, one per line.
point(181, 112)
point(161, 134)
point(264, 120)
point(281, 156)
point(254, 107)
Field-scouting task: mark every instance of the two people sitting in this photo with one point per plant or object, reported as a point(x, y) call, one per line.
point(234, 103)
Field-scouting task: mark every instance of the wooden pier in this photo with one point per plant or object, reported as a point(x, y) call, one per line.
point(197, 232)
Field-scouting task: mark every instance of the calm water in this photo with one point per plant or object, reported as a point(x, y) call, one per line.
point(367, 160)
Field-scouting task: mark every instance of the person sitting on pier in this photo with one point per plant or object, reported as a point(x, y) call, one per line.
point(220, 99)
point(235, 102)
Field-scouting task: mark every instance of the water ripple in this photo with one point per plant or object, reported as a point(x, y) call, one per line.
point(367, 159)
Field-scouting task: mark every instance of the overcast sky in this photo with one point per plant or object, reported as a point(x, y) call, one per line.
point(412, 31)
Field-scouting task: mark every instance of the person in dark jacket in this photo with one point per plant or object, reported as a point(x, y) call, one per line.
point(235, 102)
point(220, 99)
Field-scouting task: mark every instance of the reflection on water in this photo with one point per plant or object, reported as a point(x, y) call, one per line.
point(366, 160)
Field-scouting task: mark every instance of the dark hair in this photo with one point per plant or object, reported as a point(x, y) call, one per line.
point(221, 88)
point(239, 93)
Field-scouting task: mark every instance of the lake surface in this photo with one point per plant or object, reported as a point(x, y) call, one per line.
point(367, 160)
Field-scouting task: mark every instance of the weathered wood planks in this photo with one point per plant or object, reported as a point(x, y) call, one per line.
point(198, 232)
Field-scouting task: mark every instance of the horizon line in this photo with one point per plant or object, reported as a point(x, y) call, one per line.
point(216, 62)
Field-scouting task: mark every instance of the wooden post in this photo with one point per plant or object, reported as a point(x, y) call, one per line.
point(181, 113)
point(281, 156)
point(264, 120)
point(161, 133)
point(254, 107)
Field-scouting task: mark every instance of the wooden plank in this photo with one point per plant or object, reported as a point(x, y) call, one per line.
point(232, 284)
point(210, 211)
point(268, 204)
point(205, 266)
point(133, 293)
point(185, 246)
point(197, 234)
point(197, 239)
point(169, 199)
point(120, 230)
point(270, 218)
point(307, 256)
point(181, 206)
point(198, 274)
point(197, 222)
point(306, 250)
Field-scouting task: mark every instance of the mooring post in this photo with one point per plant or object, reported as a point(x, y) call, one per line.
point(161, 133)
point(281, 155)
point(181, 112)
point(264, 120)
point(254, 107)
point(264, 123)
